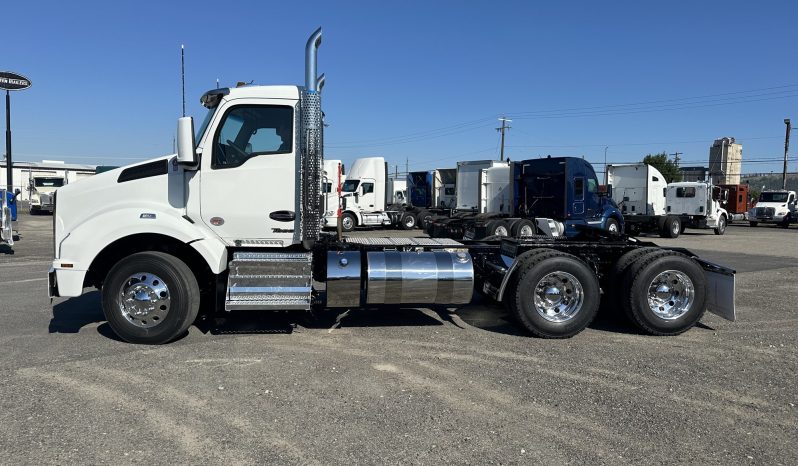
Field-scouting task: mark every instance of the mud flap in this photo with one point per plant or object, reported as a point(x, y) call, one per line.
point(720, 289)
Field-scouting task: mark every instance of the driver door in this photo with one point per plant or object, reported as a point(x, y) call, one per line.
point(248, 174)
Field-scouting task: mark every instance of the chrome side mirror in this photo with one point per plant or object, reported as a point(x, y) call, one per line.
point(186, 152)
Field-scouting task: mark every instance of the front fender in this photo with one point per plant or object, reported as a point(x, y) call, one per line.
point(82, 244)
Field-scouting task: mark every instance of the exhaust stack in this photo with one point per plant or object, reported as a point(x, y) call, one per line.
point(311, 147)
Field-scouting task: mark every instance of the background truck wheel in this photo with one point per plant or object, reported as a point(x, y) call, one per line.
point(753, 224)
point(408, 221)
point(497, 228)
point(150, 298)
point(554, 295)
point(786, 222)
point(523, 228)
point(721, 229)
point(666, 293)
point(672, 228)
point(348, 222)
point(613, 227)
point(421, 219)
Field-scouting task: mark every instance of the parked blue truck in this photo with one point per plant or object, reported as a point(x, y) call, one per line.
point(564, 189)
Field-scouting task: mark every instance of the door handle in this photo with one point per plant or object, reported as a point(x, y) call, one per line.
point(282, 216)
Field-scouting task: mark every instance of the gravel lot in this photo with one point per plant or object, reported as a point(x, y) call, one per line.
point(403, 385)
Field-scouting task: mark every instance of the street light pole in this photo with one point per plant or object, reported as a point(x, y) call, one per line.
point(786, 151)
point(9, 169)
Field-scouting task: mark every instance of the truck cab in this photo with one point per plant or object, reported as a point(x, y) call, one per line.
point(773, 207)
point(40, 192)
point(332, 182)
point(565, 189)
point(698, 203)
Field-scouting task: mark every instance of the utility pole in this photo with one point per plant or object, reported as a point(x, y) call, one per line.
point(407, 165)
point(502, 129)
point(9, 165)
point(676, 158)
point(786, 151)
point(606, 177)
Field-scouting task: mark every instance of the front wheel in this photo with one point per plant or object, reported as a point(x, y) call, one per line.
point(721, 229)
point(150, 298)
point(348, 222)
point(613, 227)
point(672, 228)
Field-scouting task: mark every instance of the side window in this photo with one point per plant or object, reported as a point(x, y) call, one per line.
point(579, 189)
point(685, 192)
point(367, 188)
point(251, 130)
point(592, 186)
point(740, 198)
point(326, 187)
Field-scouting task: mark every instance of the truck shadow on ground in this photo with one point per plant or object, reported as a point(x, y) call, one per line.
point(71, 315)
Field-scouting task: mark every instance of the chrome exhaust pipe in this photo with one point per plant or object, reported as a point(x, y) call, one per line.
point(311, 51)
point(320, 83)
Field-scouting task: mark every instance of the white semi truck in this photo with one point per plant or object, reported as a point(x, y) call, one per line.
point(332, 183)
point(369, 197)
point(40, 192)
point(650, 205)
point(159, 236)
point(774, 206)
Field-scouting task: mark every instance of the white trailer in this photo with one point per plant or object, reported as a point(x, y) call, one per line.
point(470, 183)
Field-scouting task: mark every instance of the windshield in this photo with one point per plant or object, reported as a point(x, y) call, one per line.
point(773, 197)
point(49, 182)
point(350, 186)
point(205, 122)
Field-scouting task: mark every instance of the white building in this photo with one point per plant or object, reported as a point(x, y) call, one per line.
point(725, 161)
point(22, 172)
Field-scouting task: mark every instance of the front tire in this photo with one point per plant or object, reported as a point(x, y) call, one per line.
point(348, 222)
point(150, 298)
point(721, 229)
point(613, 227)
point(672, 228)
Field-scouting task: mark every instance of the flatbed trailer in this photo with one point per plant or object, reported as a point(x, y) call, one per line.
point(160, 241)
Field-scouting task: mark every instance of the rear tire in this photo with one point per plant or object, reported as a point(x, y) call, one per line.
point(666, 293)
point(421, 219)
point(150, 298)
point(407, 221)
point(554, 295)
point(523, 228)
point(497, 228)
point(672, 228)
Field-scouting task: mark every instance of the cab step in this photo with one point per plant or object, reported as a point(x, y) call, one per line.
point(269, 281)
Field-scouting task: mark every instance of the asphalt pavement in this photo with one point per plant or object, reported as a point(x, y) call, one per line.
point(403, 386)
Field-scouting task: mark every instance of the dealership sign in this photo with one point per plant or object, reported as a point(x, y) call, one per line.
point(13, 81)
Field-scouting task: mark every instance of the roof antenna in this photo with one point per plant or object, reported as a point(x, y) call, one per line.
point(183, 75)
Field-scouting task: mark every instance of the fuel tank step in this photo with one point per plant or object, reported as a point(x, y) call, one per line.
point(269, 281)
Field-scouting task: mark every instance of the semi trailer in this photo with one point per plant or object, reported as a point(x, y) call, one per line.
point(161, 240)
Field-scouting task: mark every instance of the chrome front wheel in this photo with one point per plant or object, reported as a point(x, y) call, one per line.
point(144, 300)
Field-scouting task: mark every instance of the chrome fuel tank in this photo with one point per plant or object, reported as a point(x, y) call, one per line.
point(437, 277)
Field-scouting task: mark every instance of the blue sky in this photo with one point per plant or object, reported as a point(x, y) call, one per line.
point(421, 82)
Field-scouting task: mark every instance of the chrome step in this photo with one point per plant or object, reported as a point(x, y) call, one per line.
point(269, 281)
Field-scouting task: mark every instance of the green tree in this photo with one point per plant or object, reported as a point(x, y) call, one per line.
point(665, 165)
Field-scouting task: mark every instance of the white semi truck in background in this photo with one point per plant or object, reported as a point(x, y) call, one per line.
point(774, 206)
point(369, 197)
point(40, 192)
point(332, 183)
point(650, 205)
point(162, 241)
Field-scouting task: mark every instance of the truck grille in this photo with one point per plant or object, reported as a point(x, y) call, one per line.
point(765, 211)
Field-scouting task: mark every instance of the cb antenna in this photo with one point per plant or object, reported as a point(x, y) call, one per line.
point(183, 75)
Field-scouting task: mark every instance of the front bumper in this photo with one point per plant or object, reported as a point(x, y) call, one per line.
point(64, 282)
